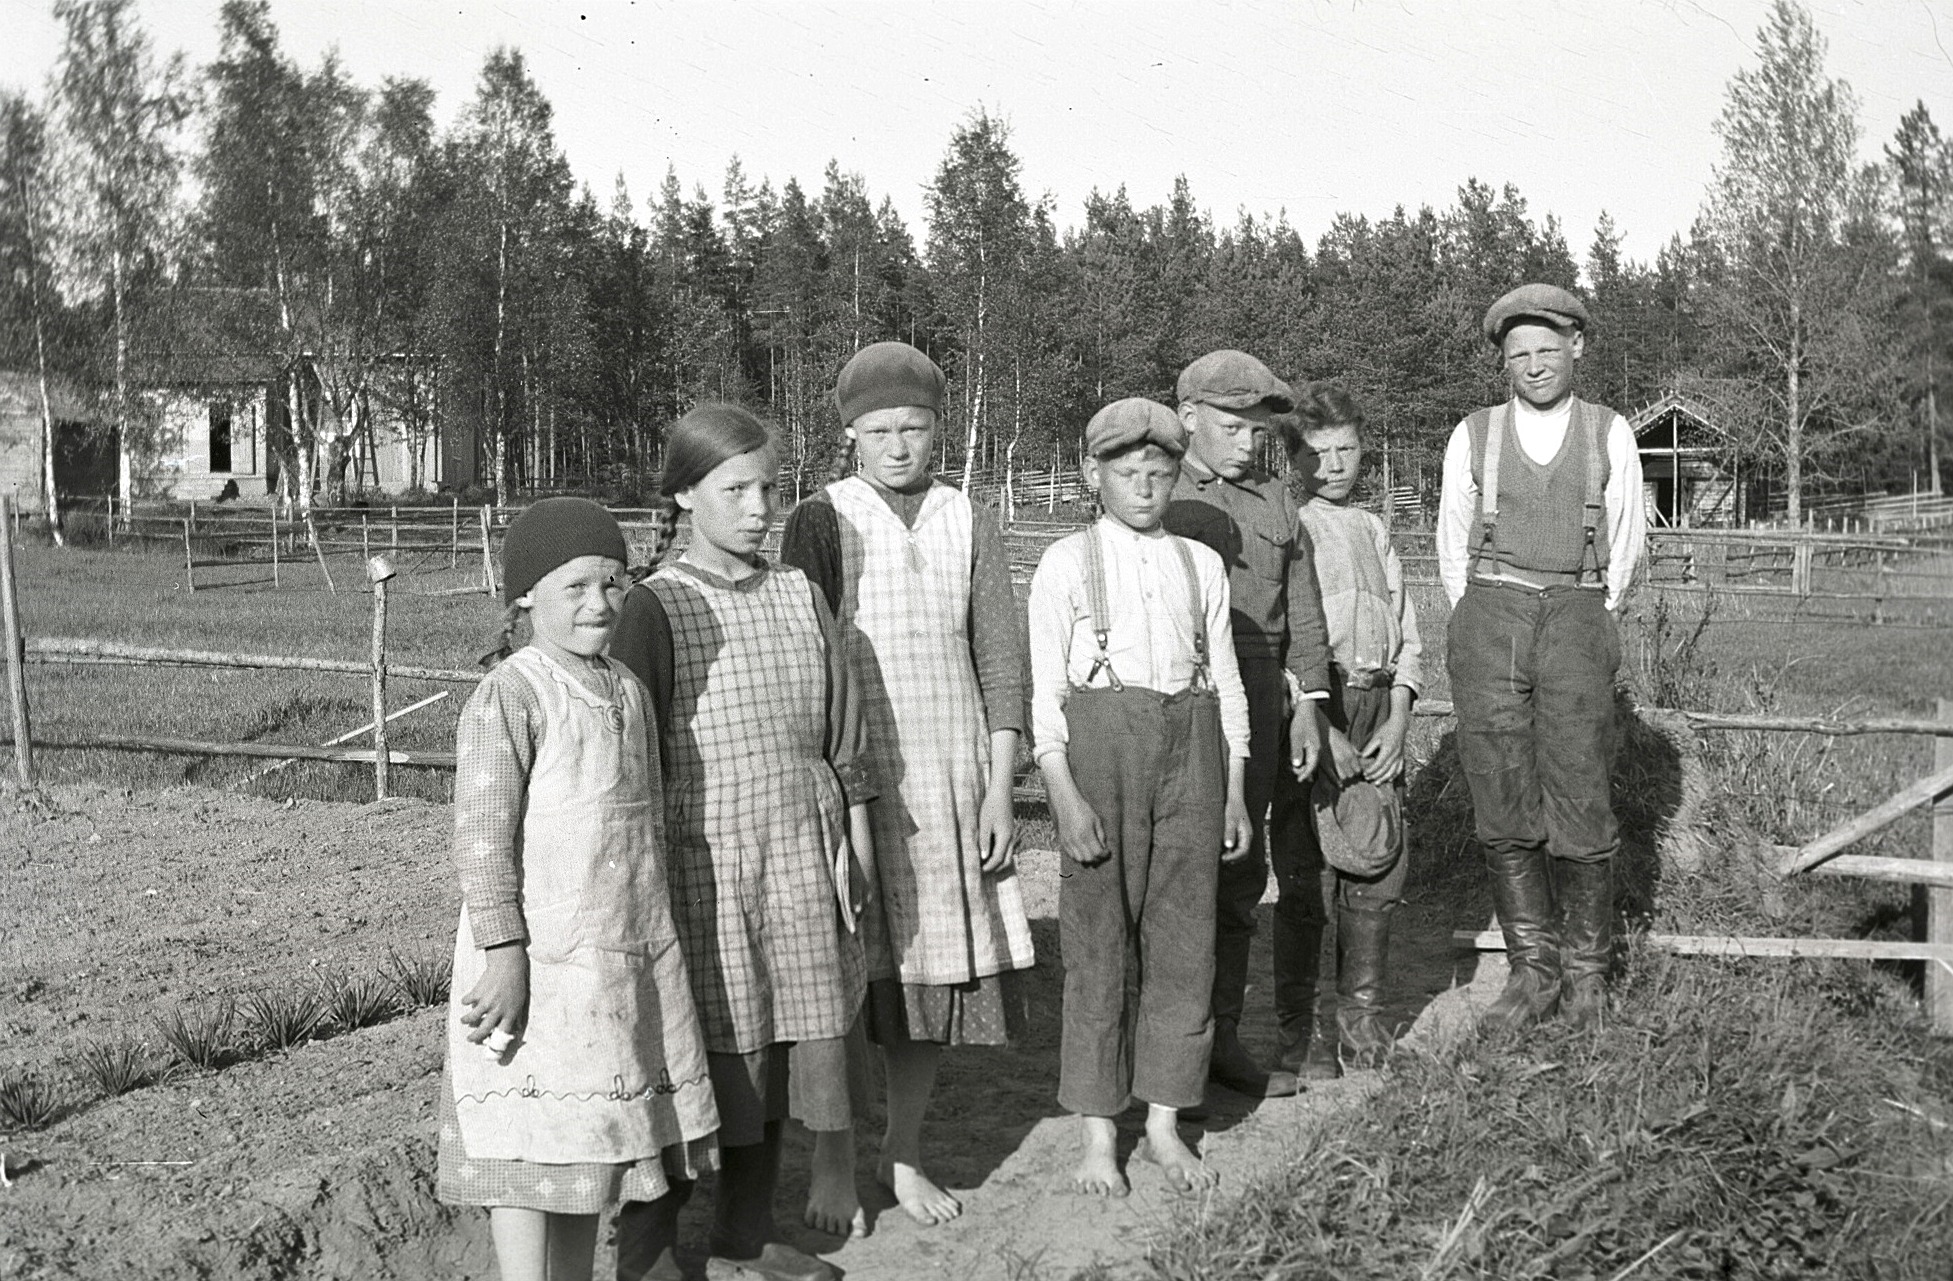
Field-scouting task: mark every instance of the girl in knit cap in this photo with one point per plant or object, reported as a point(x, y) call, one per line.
point(576, 1072)
point(919, 580)
point(766, 791)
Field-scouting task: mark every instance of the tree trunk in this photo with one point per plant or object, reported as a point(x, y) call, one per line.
point(125, 477)
point(1932, 430)
point(498, 430)
point(1793, 472)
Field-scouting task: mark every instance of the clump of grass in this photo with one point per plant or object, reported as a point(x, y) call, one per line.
point(421, 980)
point(278, 1020)
point(201, 1035)
point(115, 1067)
point(26, 1101)
point(357, 1000)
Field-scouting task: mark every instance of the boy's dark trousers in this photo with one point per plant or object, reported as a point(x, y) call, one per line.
point(1314, 894)
point(1532, 680)
point(1153, 767)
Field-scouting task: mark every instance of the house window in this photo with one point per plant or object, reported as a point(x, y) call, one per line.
point(220, 436)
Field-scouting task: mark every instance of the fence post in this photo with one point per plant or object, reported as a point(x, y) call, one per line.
point(274, 544)
point(16, 646)
point(1939, 903)
point(454, 533)
point(393, 528)
point(487, 553)
point(111, 521)
point(378, 570)
point(1800, 568)
point(365, 538)
point(189, 564)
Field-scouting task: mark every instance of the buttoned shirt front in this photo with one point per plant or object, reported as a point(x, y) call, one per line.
point(1149, 628)
point(1372, 626)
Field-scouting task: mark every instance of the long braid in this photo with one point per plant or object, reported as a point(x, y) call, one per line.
point(843, 465)
point(502, 640)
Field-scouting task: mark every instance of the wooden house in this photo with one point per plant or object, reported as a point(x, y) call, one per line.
point(1687, 474)
point(84, 459)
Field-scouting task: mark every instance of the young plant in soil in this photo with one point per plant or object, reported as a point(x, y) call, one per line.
point(201, 1035)
point(115, 1067)
point(278, 1020)
point(421, 980)
point(26, 1101)
point(357, 1000)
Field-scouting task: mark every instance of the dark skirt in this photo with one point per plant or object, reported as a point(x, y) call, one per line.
point(986, 1011)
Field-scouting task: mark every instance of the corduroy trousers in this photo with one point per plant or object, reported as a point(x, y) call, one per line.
point(1153, 767)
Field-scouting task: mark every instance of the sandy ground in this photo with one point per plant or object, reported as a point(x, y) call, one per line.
point(317, 1162)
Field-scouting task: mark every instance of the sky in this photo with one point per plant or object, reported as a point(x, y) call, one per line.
point(1302, 108)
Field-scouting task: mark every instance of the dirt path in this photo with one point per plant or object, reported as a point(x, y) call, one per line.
point(317, 1162)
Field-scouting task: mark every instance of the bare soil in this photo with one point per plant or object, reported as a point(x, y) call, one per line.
point(317, 1162)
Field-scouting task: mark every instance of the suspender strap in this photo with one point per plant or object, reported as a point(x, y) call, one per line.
point(1485, 561)
point(1588, 420)
point(1096, 601)
point(1203, 676)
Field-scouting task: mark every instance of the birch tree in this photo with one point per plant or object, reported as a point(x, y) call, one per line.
point(24, 264)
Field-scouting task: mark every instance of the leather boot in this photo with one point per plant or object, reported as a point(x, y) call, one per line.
point(1306, 1051)
point(1232, 1066)
point(1522, 890)
point(1586, 893)
point(1363, 947)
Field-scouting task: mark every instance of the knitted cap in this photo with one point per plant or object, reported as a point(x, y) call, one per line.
point(1550, 303)
point(888, 375)
point(552, 532)
point(1233, 380)
point(1130, 421)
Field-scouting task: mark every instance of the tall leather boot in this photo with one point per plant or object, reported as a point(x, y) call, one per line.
point(1586, 894)
point(1522, 890)
point(1306, 1051)
point(1363, 947)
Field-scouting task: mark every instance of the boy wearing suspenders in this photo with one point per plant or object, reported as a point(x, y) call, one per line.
point(1540, 527)
point(1142, 735)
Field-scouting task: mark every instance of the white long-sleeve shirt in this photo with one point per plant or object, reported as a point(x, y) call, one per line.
point(1540, 435)
point(1150, 636)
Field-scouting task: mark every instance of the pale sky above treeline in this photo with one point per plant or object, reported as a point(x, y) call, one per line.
point(1307, 108)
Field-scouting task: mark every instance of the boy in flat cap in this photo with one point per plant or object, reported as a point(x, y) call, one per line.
point(920, 584)
point(1225, 501)
point(1540, 527)
point(1142, 736)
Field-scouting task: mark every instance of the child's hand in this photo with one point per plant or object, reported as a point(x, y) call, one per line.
point(1383, 755)
point(500, 1001)
point(1080, 834)
point(997, 830)
point(1238, 831)
point(1305, 736)
point(1344, 759)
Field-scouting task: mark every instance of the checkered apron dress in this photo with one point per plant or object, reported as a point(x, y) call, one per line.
point(755, 814)
point(934, 918)
point(610, 1066)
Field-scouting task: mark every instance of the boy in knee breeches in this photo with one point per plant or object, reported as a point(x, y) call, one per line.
point(1347, 824)
point(1142, 736)
point(1540, 527)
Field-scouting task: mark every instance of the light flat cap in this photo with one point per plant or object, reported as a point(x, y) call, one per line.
point(1549, 303)
point(1233, 380)
point(1133, 421)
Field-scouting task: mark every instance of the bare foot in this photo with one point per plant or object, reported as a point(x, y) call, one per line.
point(833, 1204)
point(1097, 1172)
point(918, 1195)
point(1185, 1172)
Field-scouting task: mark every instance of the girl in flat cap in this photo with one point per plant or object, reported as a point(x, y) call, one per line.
point(766, 790)
point(576, 1073)
point(919, 580)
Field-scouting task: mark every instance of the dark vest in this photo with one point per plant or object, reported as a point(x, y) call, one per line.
point(1549, 522)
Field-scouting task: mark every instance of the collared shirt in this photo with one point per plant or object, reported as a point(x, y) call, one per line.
point(1150, 636)
point(1250, 524)
point(1372, 627)
point(1540, 436)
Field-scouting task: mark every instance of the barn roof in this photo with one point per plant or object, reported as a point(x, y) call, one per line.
point(1646, 418)
point(208, 335)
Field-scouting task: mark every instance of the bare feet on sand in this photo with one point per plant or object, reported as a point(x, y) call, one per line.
point(1097, 1171)
point(1185, 1172)
point(833, 1204)
point(917, 1194)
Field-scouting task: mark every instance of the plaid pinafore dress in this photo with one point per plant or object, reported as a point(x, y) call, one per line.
point(934, 917)
point(755, 815)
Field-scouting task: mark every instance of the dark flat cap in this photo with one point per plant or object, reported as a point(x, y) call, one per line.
point(1549, 303)
point(1129, 422)
point(1233, 380)
point(888, 375)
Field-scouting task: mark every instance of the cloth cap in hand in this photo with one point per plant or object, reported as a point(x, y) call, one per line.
point(1359, 825)
point(1131, 421)
point(1548, 304)
point(552, 532)
point(888, 375)
point(1233, 380)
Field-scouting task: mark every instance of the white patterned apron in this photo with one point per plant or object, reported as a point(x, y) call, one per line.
point(610, 1066)
point(933, 916)
point(758, 819)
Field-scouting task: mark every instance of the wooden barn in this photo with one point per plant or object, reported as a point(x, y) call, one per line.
point(84, 459)
point(1686, 472)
